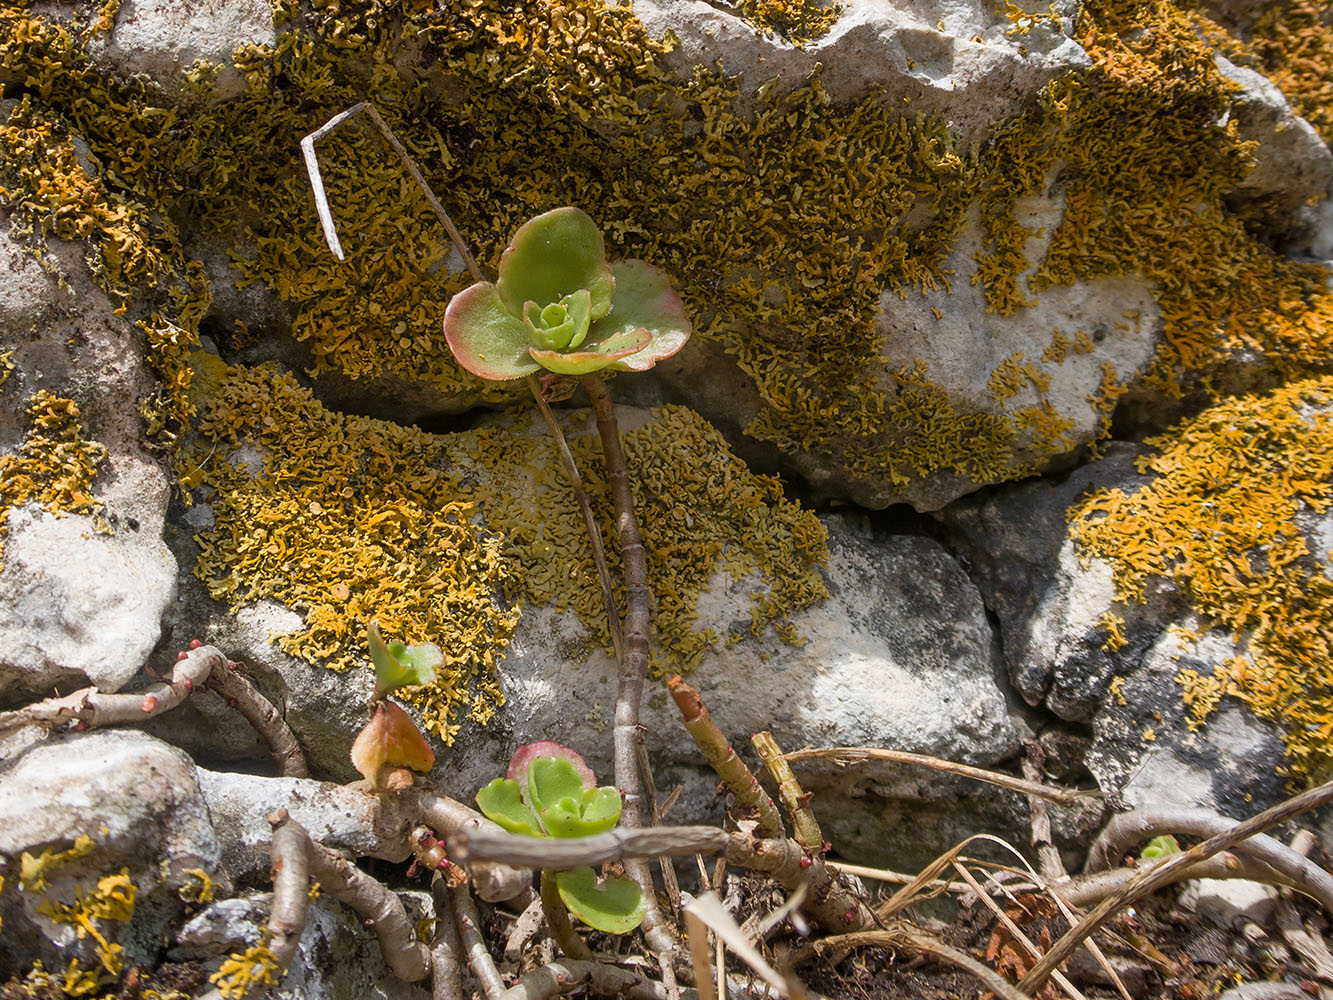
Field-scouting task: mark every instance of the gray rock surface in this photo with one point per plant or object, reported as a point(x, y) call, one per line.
point(77, 604)
point(139, 801)
point(166, 39)
point(1049, 604)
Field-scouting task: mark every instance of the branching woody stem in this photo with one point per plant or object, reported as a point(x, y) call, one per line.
point(1127, 830)
point(406, 957)
point(92, 708)
point(449, 818)
point(474, 944)
point(445, 968)
point(240, 694)
point(290, 852)
point(804, 825)
point(832, 906)
point(1091, 888)
point(1160, 875)
point(720, 755)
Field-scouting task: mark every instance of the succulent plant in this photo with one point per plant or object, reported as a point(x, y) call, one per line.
point(560, 306)
point(399, 665)
point(551, 792)
point(391, 737)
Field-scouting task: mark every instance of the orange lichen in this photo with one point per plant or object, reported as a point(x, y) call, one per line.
point(55, 465)
point(1223, 520)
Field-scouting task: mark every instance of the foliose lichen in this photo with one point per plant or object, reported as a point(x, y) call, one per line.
point(54, 467)
point(1227, 519)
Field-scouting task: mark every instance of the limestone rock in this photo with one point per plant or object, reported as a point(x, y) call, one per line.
point(167, 39)
point(77, 603)
point(139, 801)
point(1050, 607)
point(338, 817)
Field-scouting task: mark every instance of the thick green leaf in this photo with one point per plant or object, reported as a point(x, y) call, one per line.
point(526, 754)
point(597, 353)
point(644, 300)
point(398, 665)
point(552, 256)
point(601, 809)
point(554, 783)
point(486, 338)
point(1160, 847)
point(501, 804)
point(612, 904)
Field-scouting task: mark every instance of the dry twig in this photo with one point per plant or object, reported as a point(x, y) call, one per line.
point(1126, 830)
point(1160, 875)
point(859, 755)
point(720, 755)
point(805, 828)
point(445, 968)
point(556, 978)
point(243, 696)
point(290, 852)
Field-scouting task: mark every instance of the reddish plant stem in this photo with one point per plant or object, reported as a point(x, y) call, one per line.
point(804, 825)
point(236, 689)
point(626, 736)
point(720, 755)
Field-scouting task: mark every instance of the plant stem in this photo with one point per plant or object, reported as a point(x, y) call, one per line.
point(445, 970)
point(474, 945)
point(267, 721)
point(290, 852)
point(589, 521)
point(720, 755)
point(557, 919)
point(797, 802)
point(1129, 829)
point(1160, 875)
point(626, 735)
point(556, 978)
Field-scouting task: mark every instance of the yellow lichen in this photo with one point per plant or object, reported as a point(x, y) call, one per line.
point(112, 900)
point(1221, 519)
point(55, 465)
point(1114, 626)
point(798, 21)
point(33, 870)
point(247, 972)
point(346, 519)
point(200, 888)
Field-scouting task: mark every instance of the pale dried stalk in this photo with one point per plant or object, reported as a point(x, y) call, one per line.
point(1091, 888)
point(720, 755)
point(474, 945)
point(909, 939)
point(267, 721)
point(1129, 829)
point(92, 708)
point(1014, 930)
point(322, 202)
point(1050, 865)
point(805, 828)
point(589, 521)
point(290, 853)
point(859, 755)
point(556, 978)
point(1162, 874)
point(445, 969)
point(832, 906)
point(406, 957)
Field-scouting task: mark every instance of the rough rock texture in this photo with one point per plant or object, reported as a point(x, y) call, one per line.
point(168, 40)
point(1050, 607)
point(901, 656)
point(951, 57)
point(338, 817)
point(139, 801)
point(79, 598)
point(331, 931)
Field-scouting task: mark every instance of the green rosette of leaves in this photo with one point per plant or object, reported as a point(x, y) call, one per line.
point(551, 792)
point(558, 305)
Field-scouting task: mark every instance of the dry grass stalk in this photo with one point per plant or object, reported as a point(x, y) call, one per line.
point(859, 755)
